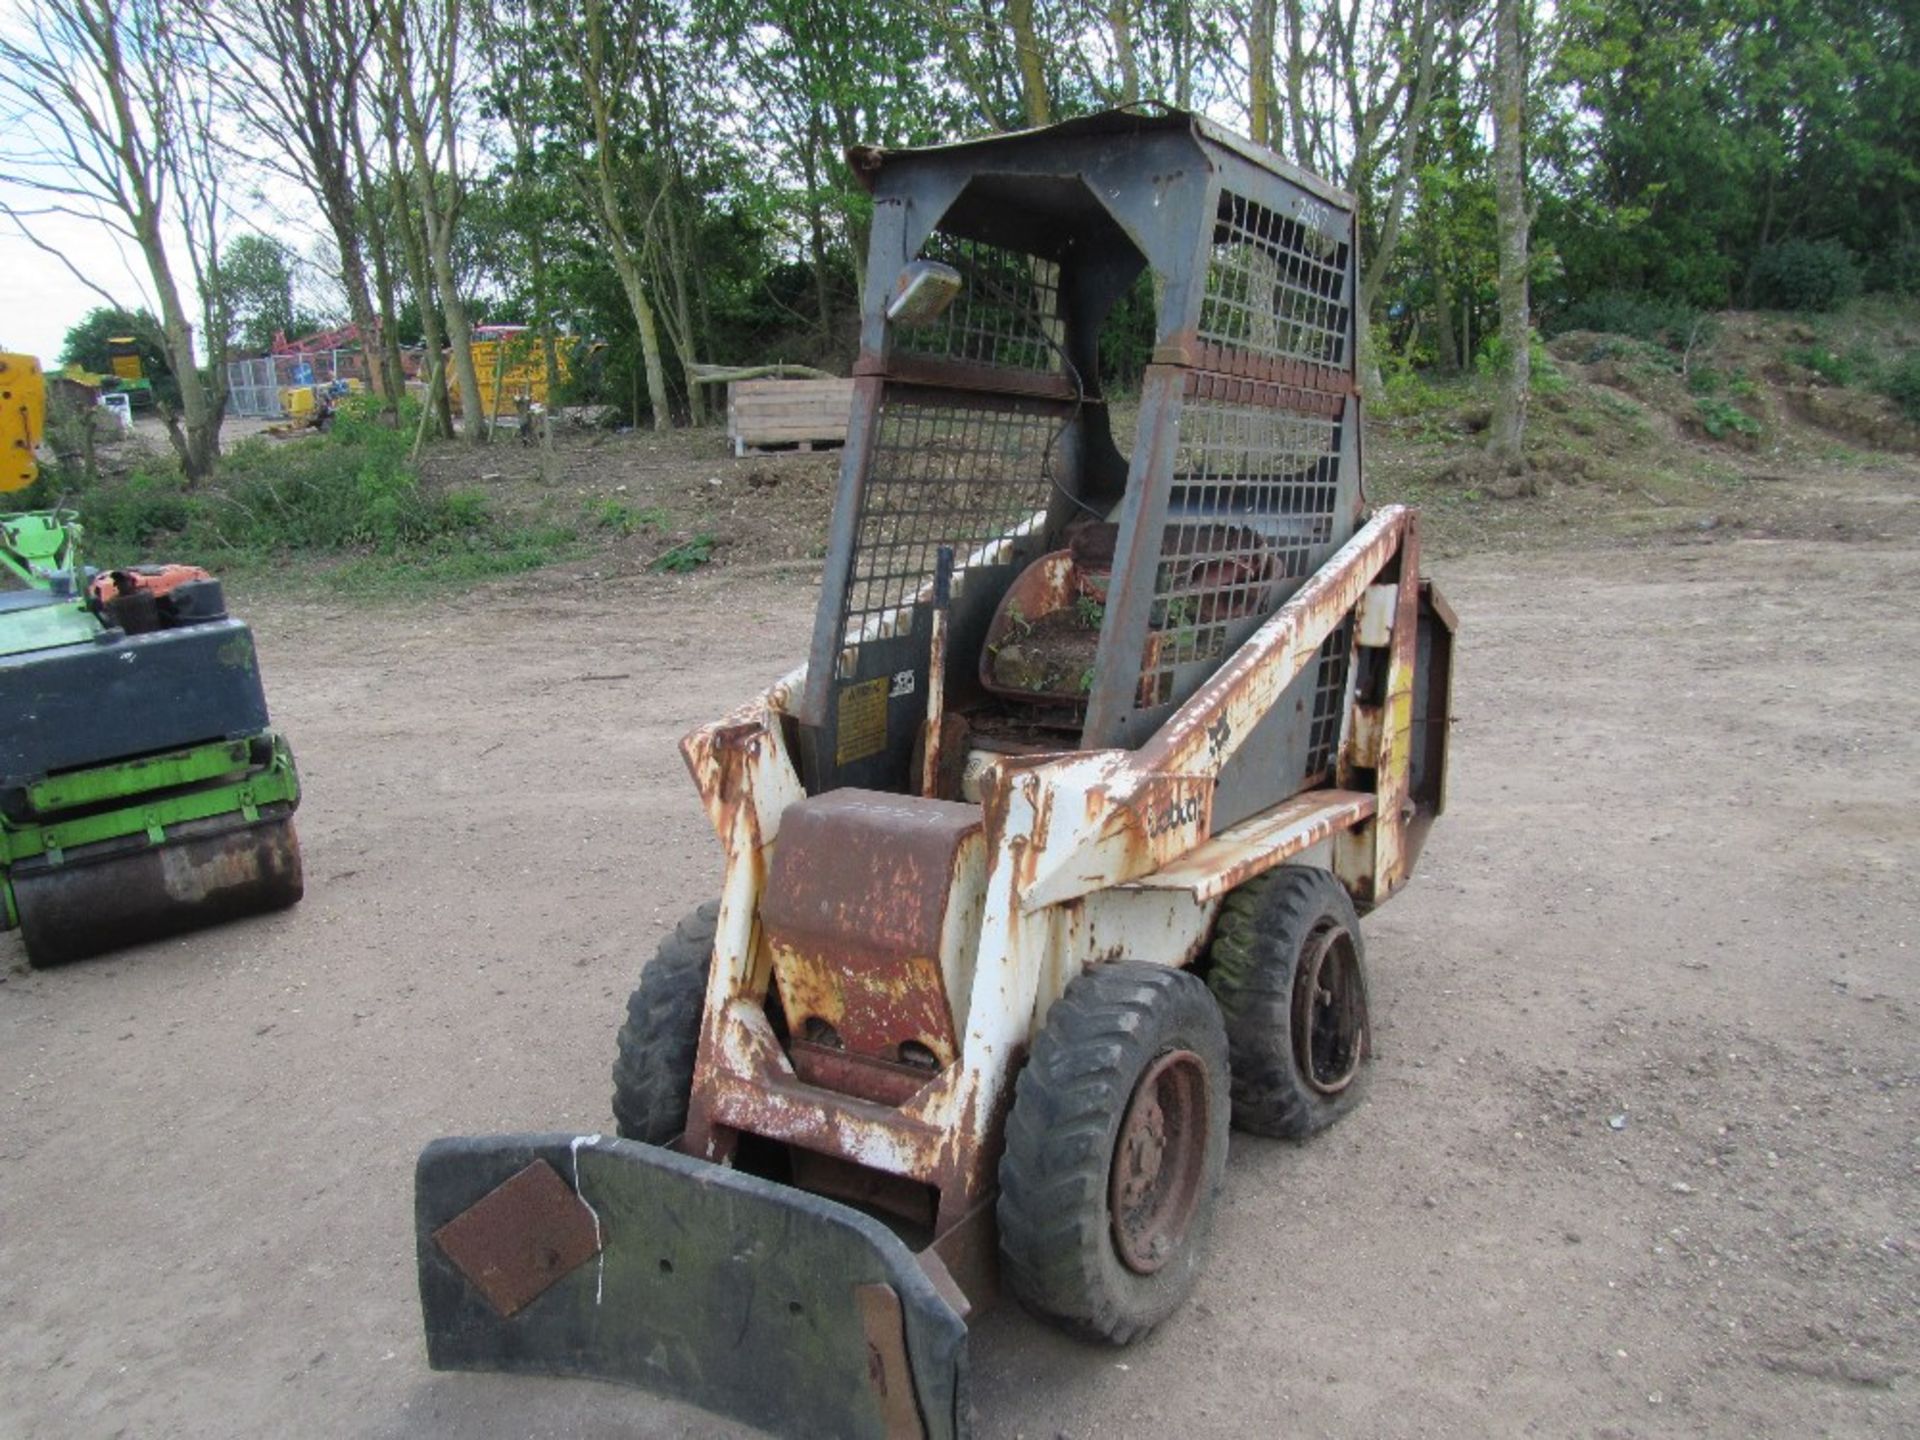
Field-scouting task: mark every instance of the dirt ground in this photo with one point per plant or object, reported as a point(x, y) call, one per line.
point(1640, 1157)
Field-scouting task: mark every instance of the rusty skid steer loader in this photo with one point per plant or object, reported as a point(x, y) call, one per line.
point(1048, 860)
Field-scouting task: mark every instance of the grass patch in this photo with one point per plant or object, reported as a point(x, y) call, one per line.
point(687, 555)
point(1901, 384)
point(512, 552)
point(1719, 419)
point(616, 515)
point(351, 497)
point(1857, 367)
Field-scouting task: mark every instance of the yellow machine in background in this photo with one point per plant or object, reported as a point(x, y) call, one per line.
point(123, 358)
point(23, 419)
point(512, 369)
point(123, 355)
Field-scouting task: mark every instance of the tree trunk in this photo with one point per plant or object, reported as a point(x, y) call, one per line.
point(543, 315)
point(195, 432)
point(817, 225)
point(338, 207)
point(1033, 70)
point(1260, 73)
point(670, 245)
point(1505, 443)
point(643, 317)
point(607, 196)
point(378, 245)
point(680, 326)
point(421, 283)
point(436, 217)
point(1445, 341)
point(1120, 22)
point(473, 421)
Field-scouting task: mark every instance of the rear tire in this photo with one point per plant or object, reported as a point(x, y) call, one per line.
point(1288, 967)
point(653, 1065)
point(1114, 1151)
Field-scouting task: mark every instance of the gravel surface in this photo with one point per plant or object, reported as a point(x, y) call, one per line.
point(1640, 1154)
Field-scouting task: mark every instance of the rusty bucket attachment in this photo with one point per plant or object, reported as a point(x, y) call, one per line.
point(609, 1259)
point(206, 873)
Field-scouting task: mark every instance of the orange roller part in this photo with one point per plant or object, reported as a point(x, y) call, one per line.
point(156, 579)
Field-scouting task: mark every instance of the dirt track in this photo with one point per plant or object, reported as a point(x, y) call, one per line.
point(1675, 887)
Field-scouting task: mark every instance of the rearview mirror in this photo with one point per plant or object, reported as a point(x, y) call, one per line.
point(923, 292)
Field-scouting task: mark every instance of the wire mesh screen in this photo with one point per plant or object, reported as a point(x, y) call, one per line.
point(1007, 314)
point(253, 391)
point(1274, 286)
point(968, 473)
point(1250, 513)
point(1329, 690)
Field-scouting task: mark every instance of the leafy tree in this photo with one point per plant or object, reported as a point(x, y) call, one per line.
point(86, 342)
point(256, 280)
point(1691, 136)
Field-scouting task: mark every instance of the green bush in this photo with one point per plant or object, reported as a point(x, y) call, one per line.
point(612, 513)
point(1406, 392)
point(353, 490)
point(1644, 317)
point(688, 555)
point(1719, 419)
point(1805, 275)
point(1901, 384)
point(1896, 271)
point(1831, 366)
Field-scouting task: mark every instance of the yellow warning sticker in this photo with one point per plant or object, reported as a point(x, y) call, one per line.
point(863, 721)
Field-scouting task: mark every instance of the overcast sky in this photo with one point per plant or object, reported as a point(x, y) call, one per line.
point(40, 300)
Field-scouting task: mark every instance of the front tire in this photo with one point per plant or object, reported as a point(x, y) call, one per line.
point(1114, 1151)
point(653, 1064)
point(1288, 967)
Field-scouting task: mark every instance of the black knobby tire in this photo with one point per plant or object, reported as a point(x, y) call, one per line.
point(653, 1068)
point(1265, 943)
point(1062, 1250)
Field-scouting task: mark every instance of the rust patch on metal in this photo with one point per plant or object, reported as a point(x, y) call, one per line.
point(881, 1081)
point(887, 1371)
point(521, 1238)
point(1159, 1162)
point(1258, 844)
point(1274, 384)
point(787, 1109)
point(853, 912)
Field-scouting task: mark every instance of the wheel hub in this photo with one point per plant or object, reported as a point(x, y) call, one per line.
point(1159, 1161)
point(1329, 1010)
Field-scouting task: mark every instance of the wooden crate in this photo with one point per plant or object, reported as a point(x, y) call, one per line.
point(806, 413)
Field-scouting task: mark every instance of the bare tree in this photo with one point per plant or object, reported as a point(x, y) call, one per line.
point(421, 44)
point(293, 78)
point(1505, 444)
point(1357, 87)
point(605, 48)
point(403, 224)
point(107, 125)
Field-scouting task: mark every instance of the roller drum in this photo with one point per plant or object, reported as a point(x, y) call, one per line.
point(224, 871)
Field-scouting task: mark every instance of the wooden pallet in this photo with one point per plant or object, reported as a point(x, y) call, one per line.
point(763, 413)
